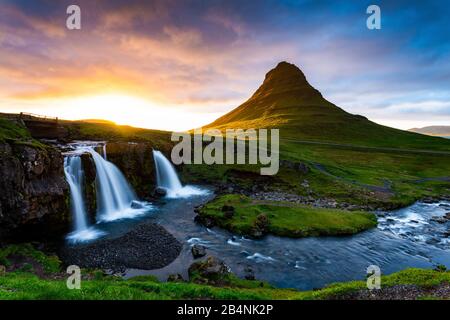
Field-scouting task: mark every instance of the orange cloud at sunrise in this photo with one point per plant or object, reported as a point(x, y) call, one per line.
point(148, 63)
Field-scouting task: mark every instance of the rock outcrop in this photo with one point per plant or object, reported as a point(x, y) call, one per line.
point(34, 196)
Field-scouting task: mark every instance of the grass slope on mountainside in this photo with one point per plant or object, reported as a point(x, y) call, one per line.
point(30, 274)
point(287, 101)
point(243, 215)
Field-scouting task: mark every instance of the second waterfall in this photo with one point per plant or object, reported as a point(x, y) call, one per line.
point(115, 196)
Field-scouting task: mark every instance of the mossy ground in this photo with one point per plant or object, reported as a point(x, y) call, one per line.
point(24, 284)
point(285, 219)
point(375, 178)
point(11, 131)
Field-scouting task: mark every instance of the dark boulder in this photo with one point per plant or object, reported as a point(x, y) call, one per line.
point(198, 251)
point(175, 278)
point(438, 219)
point(206, 221)
point(136, 205)
point(260, 226)
point(249, 273)
point(160, 192)
point(211, 270)
point(297, 166)
point(90, 174)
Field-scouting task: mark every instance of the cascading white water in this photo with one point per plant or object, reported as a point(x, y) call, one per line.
point(75, 176)
point(114, 195)
point(73, 171)
point(104, 152)
point(167, 178)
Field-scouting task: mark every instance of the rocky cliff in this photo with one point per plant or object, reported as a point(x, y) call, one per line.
point(33, 191)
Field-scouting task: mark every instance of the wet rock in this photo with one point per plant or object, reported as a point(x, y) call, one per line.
point(297, 166)
point(160, 192)
point(249, 273)
point(175, 278)
point(447, 215)
point(432, 241)
point(136, 205)
point(428, 200)
point(439, 219)
point(206, 221)
point(209, 271)
point(198, 251)
point(260, 226)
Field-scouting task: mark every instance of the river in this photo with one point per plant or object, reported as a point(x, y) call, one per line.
point(404, 238)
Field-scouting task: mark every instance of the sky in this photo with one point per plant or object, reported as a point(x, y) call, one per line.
point(176, 65)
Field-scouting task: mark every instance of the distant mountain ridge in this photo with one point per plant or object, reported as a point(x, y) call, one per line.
point(443, 131)
point(287, 101)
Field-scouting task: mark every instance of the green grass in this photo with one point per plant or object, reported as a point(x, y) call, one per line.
point(285, 219)
point(20, 284)
point(350, 175)
point(11, 131)
point(27, 286)
point(50, 263)
point(81, 130)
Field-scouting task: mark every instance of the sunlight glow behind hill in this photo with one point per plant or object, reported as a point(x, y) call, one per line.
point(122, 109)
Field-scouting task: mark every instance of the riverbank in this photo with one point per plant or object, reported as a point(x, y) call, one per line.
point(256, 218)
point(27, 273)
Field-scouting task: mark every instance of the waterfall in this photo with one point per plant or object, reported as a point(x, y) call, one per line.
point(75, 176)
point(167, 178)
point(104, 152)
point(115, 196)
point(74, 173)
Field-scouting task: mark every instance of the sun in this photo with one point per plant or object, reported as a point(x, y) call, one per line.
point(132, 110)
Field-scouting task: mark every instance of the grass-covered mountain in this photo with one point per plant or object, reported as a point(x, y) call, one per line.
point(433, 130)
point(287, 101)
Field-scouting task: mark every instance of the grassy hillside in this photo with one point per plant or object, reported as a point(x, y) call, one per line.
point(287, 101)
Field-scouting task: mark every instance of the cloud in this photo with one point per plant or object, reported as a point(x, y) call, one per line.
point(212, 56)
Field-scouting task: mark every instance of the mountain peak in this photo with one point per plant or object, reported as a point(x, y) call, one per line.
point(286, 78)
point(285, 70)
